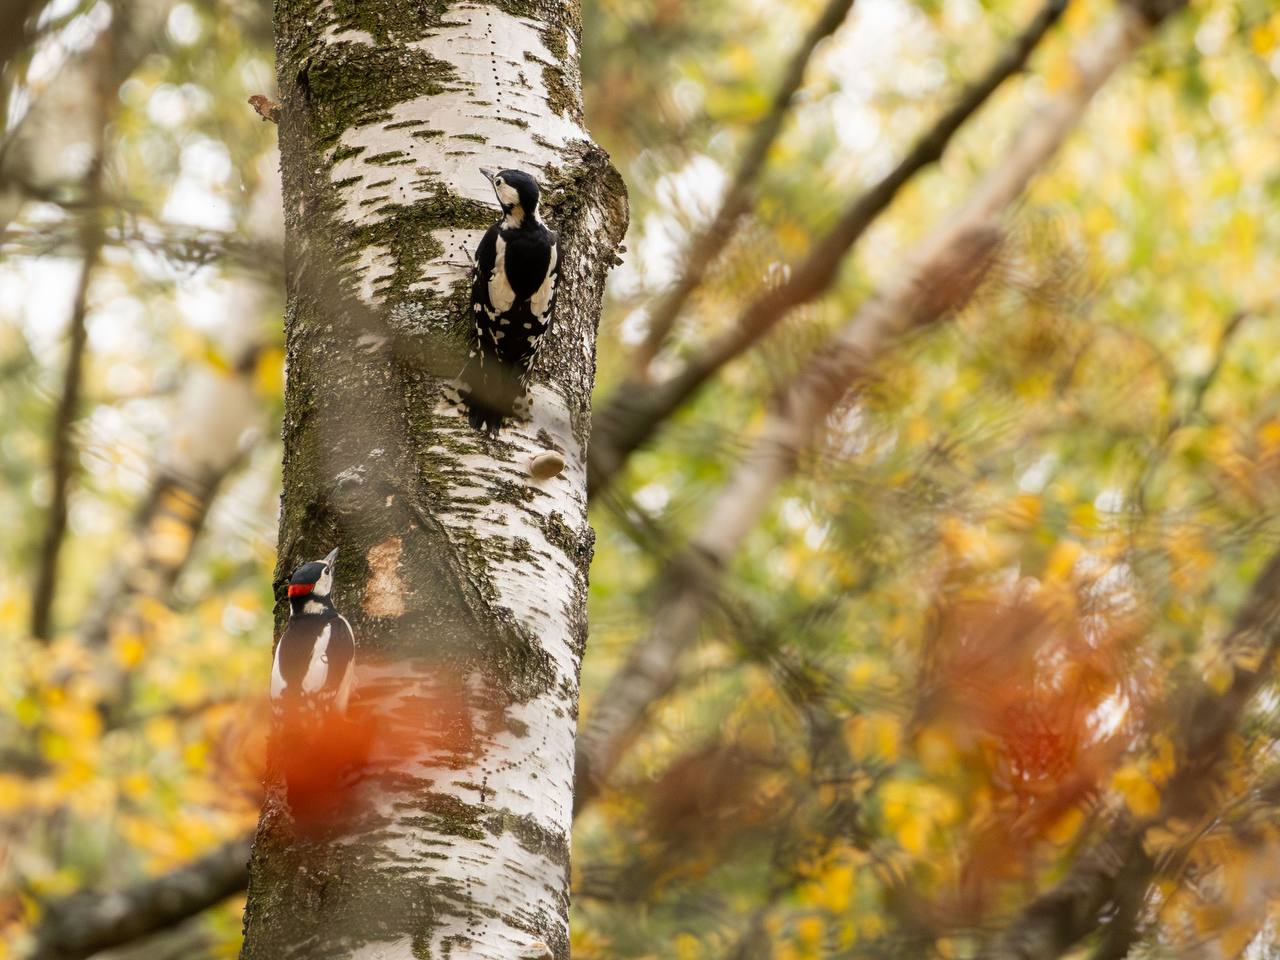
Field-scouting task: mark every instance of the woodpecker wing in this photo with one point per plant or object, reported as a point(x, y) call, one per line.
point(482, 307)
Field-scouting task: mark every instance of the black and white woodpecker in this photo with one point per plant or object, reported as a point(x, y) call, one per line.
point(513, 295)
point(315, 658)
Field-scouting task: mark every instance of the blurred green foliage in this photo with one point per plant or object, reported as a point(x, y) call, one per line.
point(1096, 436)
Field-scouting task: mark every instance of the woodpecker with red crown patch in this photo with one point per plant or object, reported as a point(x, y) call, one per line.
point(315, 658)
point(513, 296)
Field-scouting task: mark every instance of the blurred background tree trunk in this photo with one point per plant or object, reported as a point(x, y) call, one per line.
point(463, 576)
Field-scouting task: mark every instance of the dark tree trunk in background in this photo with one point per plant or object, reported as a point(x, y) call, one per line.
point(463, 576)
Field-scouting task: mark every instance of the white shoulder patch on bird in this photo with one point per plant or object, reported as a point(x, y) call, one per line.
point(500, 293)
point(277, 679)
point(318, 668)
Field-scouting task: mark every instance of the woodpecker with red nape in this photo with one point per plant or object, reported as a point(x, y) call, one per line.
point(315, 658)
point(513, 295)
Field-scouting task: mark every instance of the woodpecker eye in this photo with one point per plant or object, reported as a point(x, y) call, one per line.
point(498, 182)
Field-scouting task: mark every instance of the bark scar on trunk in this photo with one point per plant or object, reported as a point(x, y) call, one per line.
point(384, 590)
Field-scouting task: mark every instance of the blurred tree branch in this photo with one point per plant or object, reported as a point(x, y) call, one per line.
point(91, 240)
point(17, 28)
point(1118, 869)
point(1191, 409)
point(86, 923)
point(937, 278)
point(182, 245)
point(216, 415)
point(634, 411)
point(62, 454)
point(703, 248)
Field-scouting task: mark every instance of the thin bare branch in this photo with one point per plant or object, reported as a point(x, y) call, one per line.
point(63, 453)
point(704, 247)
point(180, 245)
point(634, 412)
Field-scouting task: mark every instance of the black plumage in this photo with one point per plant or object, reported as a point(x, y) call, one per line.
point(513, 296)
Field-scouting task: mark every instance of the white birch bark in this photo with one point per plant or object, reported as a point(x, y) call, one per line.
point(463, 575)
point(935, 279)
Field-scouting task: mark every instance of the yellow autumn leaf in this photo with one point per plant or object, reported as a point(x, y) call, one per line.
point(161, 732)
point(913, 835)
point(168, 539)
point(128, 649)
point(1163, 761)
point(834, 889)
point(809, 930)
point(13, 793)
point(1139, 793)
point(137, 786)
point(1061, 73)
point(1063, 830)
point(871, 925)
point(969, 543)
point(1218, 674)
point(1024, 511)
point(1263, 37)
point(268, 373)
point(1062, 560)
point(936, 750)
point(873, 736)
point(195, 755)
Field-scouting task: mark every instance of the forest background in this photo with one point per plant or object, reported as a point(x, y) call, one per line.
point(983, 658)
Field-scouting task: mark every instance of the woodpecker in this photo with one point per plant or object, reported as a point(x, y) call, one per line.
point(315, 658)
point(513, 295)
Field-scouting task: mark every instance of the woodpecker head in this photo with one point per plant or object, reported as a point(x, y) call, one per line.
point(517, 192)
point(313, 580)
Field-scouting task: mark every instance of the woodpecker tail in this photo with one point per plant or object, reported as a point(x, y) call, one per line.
point(491, 391)
point(320, 758)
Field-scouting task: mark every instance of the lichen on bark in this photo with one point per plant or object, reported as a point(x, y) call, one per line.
point(463, 576)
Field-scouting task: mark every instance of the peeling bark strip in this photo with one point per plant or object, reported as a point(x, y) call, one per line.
point(463, 576)
point(935, 279)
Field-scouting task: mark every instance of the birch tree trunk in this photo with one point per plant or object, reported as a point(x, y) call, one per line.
point(463, 576)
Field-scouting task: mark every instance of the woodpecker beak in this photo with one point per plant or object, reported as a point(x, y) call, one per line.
point(331, 557)
point(489, 173)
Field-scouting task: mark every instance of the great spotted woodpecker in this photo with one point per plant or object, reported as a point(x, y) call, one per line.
point(315, 658)
point(513, 295)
